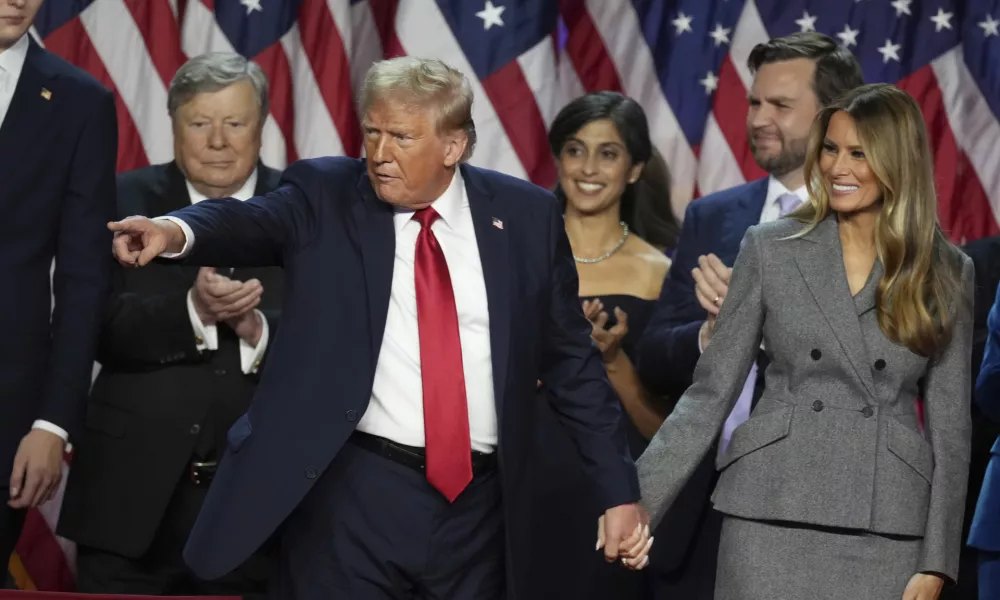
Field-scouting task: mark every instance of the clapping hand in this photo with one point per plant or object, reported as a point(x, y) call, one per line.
point(218, 298)
point(608, 341)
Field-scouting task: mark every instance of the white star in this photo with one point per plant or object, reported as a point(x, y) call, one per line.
point(491, 15)
point(807, 22)
point(710, 83)
point(990, 26)
point(942, 20)
point(720, 35)
point(682, 23)
point(902, 6)
point(849, 37)
point(890, 51)
point(252, 5)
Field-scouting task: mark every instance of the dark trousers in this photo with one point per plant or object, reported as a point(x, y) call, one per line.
point(989, 575)
point(161, 570)
point(11, 522)
point(694, 578)
point(374, 529)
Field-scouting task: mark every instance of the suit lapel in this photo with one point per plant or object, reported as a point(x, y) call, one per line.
point(377, 240)
point(29, 112)
point(745, 213)
point(820, 260)
point(489, 217)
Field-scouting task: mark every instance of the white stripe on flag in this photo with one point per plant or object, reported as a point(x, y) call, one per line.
point(749, 32)
point(721, 171)
point(569, 79)
point(538, 65)
point(315, 132)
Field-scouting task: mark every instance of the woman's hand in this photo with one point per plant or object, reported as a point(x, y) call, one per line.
point(609, 340)
point(923, 586)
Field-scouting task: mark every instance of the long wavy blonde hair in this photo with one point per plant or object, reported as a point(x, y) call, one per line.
point(921, 280)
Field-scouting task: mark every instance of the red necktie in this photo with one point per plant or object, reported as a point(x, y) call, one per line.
point(446, 411)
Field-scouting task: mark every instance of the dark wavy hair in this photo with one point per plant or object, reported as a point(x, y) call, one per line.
point(629, 120)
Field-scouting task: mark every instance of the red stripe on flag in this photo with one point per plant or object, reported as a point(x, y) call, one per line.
point(42, 556)
point(72, 43)
point(384, 15)
point(586, 49)
point(963, 207)
point(274, 62)
point(161, 33)
point(730, 107)
point(324, 46)
point(515, 105)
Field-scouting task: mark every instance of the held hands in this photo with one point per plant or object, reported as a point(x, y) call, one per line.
point(139, 240)
point(608, 340)
point(923, 586)
point(37, 469)
point(711, 278)
point(623, 533)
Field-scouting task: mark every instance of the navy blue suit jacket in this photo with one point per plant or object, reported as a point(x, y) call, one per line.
point(336, 241)
point(668, 349)
point(985, 531)
point(58, 146)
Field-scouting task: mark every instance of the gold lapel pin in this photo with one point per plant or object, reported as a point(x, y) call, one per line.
point(46, 94)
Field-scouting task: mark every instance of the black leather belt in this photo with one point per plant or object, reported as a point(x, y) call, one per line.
point(412, 456)
point(201, 473)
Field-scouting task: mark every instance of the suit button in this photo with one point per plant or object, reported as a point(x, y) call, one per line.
point(310, 473)
point(817, 406)
point(867, 411)
point(220, 372)
point(880, 364)
point(195, 429)
point(816, 354)
point(351, 416)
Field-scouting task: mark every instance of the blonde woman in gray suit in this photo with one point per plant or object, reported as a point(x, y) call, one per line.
point(832, 489)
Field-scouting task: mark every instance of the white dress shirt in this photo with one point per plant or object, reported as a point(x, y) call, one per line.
point(11, 64)
point(396, 408)
point(207, 336)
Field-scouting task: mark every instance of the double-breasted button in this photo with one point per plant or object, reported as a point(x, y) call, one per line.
point(195, 429)
point(867, 411)
point(817, 406)
point(351, 415)
point(880, 364)
point(310, 473)
point(816, 354)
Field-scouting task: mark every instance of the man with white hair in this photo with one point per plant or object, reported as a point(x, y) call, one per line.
point(388, 442)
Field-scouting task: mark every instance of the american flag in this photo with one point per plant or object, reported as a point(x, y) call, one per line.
point(683, 60)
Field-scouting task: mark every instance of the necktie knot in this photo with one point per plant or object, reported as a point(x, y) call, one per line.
point(426, 217)
point(788, 203)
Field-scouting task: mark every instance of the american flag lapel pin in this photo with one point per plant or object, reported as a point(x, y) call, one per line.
point(497, 223)
point(46, 94)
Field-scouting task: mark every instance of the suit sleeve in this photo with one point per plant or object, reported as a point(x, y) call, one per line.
point(668, 348)
point(987, 394)
point(949, 427)
point(690, 431)
point(83, 265)
point(582, 397)
point(257, 232)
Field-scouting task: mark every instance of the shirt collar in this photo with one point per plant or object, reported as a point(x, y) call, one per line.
point(449, 205)
point(776, 189)
point(12, 59)
point(244, 193)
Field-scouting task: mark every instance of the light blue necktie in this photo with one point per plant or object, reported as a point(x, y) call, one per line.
point(741, 411)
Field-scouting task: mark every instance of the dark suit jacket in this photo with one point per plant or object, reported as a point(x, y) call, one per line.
point(668, 349)
point(58, 147)
point(157, 399)
point(335, 240)
point(985, 532)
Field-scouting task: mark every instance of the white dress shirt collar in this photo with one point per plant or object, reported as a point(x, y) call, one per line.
point(244, 193)
point(775, 189)
point(449, 205)
point(12, 59)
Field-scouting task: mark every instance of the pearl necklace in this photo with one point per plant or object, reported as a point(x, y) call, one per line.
point(607, 254)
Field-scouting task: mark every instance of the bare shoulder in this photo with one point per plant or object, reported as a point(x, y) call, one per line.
point(655, 263)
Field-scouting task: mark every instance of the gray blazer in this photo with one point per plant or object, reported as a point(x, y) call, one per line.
point(834, 440)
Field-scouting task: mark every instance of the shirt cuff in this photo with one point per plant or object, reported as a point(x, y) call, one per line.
point(701, 349)
point(250, 356)
point(53, 428)
point(206, 337)
point(188, 237)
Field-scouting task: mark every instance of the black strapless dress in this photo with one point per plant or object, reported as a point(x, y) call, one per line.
point(564, 511)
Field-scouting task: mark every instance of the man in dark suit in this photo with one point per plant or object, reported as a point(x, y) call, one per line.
point(388, 441)
point(794, 77)
point(180, 353)
point(58, 146)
